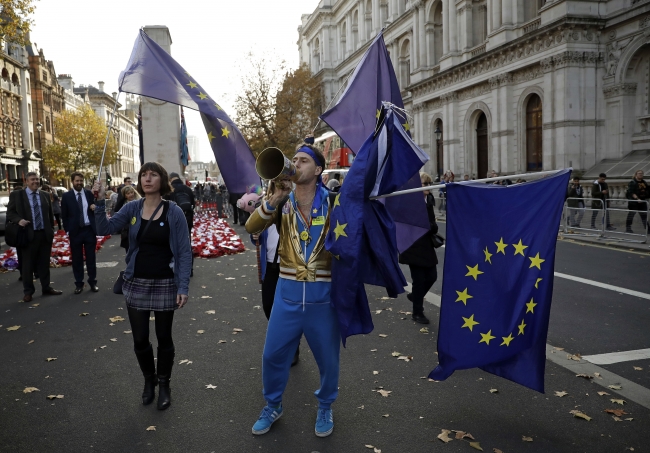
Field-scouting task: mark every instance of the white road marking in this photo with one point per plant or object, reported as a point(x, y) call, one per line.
point(604, 285)
point(616, 357)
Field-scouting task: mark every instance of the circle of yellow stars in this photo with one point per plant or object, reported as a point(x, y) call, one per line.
point(225, 132)
point(474, 272)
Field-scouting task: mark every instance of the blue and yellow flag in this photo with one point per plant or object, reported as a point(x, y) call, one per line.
point(498, 278)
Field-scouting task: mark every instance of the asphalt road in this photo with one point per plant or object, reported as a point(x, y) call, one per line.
point(101, 382)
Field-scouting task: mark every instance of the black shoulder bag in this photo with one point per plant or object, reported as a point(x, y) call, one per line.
point(117, 286)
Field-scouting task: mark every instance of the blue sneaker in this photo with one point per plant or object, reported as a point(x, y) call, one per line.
point(268, 416)
point(324, 422)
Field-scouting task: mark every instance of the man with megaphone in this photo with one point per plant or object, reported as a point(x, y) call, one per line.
point(299, 205)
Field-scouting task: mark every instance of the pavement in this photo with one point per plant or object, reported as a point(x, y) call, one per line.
point(96, 372)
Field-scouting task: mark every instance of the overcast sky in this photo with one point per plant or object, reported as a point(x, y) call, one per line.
point(92, 40)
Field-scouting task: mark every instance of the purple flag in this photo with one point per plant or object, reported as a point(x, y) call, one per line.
point(354, 118)
point(154, 73)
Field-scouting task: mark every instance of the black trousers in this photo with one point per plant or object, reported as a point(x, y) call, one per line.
point(268, 287)
point(36, 258)
point(423, 279)
point(634, 207)
point(235, 213)
point(84, 240)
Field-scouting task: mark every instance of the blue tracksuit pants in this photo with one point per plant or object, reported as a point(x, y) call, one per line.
point(289, 321)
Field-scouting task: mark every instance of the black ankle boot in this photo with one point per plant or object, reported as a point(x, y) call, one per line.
point(148, 367)
point(165, 363)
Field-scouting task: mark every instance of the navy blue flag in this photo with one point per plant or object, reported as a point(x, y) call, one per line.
point(154, 73)
point(362, 232)
point(185, 154)
point(354, 118)
point(498, 278)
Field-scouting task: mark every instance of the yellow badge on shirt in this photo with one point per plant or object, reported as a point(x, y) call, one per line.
point(320, 220)
point(133, 221)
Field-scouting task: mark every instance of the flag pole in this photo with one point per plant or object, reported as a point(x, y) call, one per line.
point(108, 134)
point(484, 180)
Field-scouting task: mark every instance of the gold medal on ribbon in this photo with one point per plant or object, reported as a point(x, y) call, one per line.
point(304, 235)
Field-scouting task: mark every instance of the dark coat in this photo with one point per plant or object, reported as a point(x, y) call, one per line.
point(19, 208)
point(70, 211)
point(575, 192)
point(422, 253)
point(597, 195)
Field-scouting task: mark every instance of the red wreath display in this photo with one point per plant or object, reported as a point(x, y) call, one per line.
point(213, 237)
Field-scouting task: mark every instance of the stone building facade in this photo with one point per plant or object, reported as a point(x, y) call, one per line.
point(511, 85)
point(17, 155)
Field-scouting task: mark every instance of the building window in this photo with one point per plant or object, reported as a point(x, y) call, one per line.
point(29, 90)
point(440, 162)
point(355, 30)
point(405, 64)
point(534, 134)
point(531, 9)
point(48, 127)
point(433, 30)
point(29, 111)
point(482, 146)
point(368, 19)
point(45, 76)
point(31, 139)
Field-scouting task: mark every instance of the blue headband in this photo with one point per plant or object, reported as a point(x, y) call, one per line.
point(311, 154)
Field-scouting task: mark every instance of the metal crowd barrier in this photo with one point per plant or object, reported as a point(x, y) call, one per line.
point(610, 220)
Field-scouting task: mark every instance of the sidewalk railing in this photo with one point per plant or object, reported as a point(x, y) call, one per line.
point(617, 219)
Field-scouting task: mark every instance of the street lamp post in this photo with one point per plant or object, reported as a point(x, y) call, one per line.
point(438, 133)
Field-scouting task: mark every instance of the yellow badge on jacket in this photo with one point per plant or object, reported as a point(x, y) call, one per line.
point(320, 220)
point(133, 221)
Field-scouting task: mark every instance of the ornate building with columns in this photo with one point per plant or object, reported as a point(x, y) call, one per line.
point(509, 85)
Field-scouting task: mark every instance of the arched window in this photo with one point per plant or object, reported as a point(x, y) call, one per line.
point(14, 79)
point(534, 133)
point(5, 74)
point(434, 33)
point(343, 39)
point(405, 64)
point(316, 59)
point(482, 146)
point(383, 12)
point(48, 126)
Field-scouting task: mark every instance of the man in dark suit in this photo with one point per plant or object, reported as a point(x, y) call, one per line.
point(77, 208)
point(31, 208)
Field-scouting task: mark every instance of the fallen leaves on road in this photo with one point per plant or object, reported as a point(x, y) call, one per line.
point(113, 340)
point(526, 439)
point(211, 312)
point(116, 319)
point(444, 436)
point(578, 414)
point(496, 450)
point(210, 386)
point(560, 394)
point(383, 392)
point(386, 415)
point(151, 428)
point(374, 449)
point(576, 357)
point(475, 445)
point(127, 331)
point(200, 331)
point(375, 372)
point(586, 376)
point(84, 314)
point(30, 341)
point(617, 412)
point(383, 335)
point(494, 391)
point(40, 322)
point(54, 397)
point(12, 328)
point(185, 361)
point(615, 387)
point(603, 393)
point(395, 353)
point(30, 390)
point(206, 297)
point(621, 402)
point(244, 298)
point(638, 368)
point(235, 331)
point(373, 350)
point(51, 359)
point(406, 358)
point(463, 435)
point(222, 341)
point(229, 278)
point(424, 330)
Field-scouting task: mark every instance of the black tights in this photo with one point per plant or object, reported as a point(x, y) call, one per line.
point(140, 327)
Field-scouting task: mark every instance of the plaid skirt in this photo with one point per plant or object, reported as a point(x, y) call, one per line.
point(150, 294)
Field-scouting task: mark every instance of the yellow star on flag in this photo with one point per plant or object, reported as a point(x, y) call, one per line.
point(538, 280)
point(192, 84)
point(535, 261)
point(337, 201)
point(519, 248)
point(501, 247)
point(521, 327)
point(507, 340)
point(473, 272)
point(202, 95)
point(340, 230)
point(486, 337)
point(463, 296)
point(407, 126)
point(531, 306)
point(225, 132)
point(188, 74)
point(469, 322)
point(378, 113)
point(210, 136)
point(217, 106)
point(488, 255)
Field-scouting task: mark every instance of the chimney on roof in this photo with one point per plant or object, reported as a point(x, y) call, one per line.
point(114, 94)
point(101, 86)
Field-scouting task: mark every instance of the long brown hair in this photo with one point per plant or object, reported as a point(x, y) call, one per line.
point(165, 187)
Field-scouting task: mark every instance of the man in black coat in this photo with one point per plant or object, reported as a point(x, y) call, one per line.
point(77, 208)
point(31, 208)
point(183, 196)
point(422, 260)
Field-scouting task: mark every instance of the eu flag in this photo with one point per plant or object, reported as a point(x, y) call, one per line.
point(498, 278)
point(354, 117)
point(185, 154)
point(152, 72)
point(362, 232)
